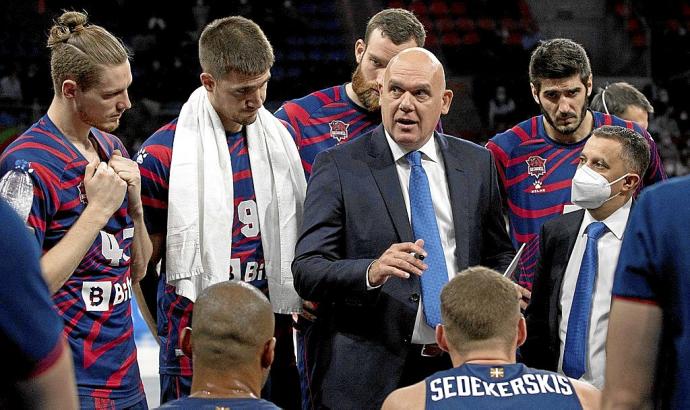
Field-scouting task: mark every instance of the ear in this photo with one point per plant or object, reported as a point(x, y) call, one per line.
point(69, 88)
point(521, 331)
point(441, 338)
point(631, 182)
point(535, 93)
point(447, 99)
point(588, 84)
point(186, 341)
point(268, 353)
point(208, 81)
point(360, 48)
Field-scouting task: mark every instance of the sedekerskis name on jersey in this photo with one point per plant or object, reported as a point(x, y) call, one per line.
point(464, 386)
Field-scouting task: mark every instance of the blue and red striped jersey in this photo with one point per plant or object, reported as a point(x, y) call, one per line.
point(247, 261)
point(95, 301)
point(324, 119)
point(536, 173)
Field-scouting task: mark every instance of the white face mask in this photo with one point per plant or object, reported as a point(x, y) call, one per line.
point(589, 189)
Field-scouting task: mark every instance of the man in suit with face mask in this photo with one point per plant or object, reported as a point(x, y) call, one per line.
point(567, 318)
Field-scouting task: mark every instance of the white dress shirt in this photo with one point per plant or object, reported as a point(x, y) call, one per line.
point(608, 247)
point(432, 162)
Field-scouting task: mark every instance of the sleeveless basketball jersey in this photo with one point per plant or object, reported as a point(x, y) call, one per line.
point(512, 386)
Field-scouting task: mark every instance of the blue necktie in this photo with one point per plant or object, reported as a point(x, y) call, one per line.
point(577, 334)
point(424, 227)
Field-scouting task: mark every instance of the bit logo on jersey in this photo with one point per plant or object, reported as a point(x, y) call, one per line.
point(97, 295)
point(536, 167)
point(339, 130)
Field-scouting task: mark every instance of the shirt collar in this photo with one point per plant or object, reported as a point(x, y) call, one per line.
point(429, 149)
point(615, 222)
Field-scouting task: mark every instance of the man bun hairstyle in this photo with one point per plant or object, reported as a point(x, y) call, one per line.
point(79, 50)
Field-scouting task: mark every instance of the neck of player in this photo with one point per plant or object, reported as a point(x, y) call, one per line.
point(352, 95)
point(578, 135)
point(68, 122)
point(209, 383)
point(488, 357)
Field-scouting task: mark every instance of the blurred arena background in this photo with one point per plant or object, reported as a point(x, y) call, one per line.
point(484, 44)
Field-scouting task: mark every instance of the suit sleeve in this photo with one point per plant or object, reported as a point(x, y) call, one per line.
point(497, 251)
point(536, 350)
point(321, 270)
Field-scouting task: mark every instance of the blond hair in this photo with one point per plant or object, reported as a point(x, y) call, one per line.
point(78, 51)
point(480, 306)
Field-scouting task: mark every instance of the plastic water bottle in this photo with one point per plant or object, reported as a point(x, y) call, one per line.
point(17, 189)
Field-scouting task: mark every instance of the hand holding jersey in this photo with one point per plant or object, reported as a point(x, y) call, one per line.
point(105, 190)
point(128, 171)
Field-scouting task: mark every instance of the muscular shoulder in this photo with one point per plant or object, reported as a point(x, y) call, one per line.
point(514, 136)
point(164, 136)
point(301, 110)
point(590, 396)
point(408, 398)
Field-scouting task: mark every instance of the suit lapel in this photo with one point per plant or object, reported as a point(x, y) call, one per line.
point(570, 229)
point(386, 176)
point(457, 181)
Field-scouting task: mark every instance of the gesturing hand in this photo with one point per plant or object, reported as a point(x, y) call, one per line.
point(398, 261)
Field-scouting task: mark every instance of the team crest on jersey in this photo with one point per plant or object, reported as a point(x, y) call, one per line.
point(141, 156)
point(338, 130)
point(536, 167)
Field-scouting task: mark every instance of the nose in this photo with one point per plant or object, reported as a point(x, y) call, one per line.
point(255, 99)
point(379, 76)
point(125, 103)
point(564, 105)
point(406, 102)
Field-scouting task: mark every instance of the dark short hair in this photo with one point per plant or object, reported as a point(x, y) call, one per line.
point(558, 58)
point(617, 97)
point(399, 25)
point(635, 148)
point(234, 44)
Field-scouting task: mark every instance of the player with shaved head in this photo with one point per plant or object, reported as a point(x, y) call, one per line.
point(232, 353)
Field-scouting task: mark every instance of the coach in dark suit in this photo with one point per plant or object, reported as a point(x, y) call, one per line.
point(567, 318)
point(354, 257)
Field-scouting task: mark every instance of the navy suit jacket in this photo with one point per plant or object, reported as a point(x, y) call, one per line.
point(354, 211)
point(557, 240)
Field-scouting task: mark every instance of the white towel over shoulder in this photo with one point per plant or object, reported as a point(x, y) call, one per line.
point(200, 199)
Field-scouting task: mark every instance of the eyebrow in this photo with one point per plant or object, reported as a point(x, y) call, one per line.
point(253, 85)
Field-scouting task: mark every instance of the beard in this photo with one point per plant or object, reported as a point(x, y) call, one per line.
point(566, 129)
point(101, 124)
point(367, 91)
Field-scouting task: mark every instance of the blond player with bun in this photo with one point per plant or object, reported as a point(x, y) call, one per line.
point(86, 210)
